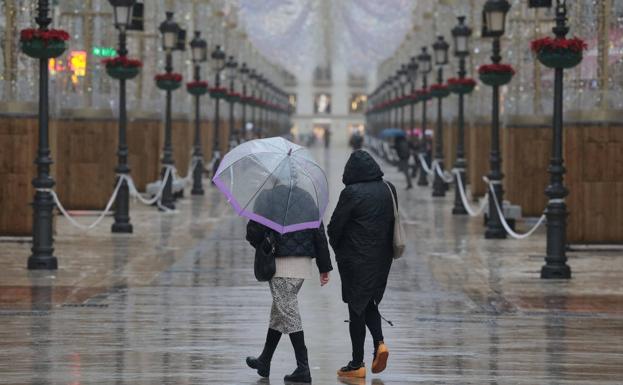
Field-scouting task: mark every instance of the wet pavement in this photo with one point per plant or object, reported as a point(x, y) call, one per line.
point(177, 303)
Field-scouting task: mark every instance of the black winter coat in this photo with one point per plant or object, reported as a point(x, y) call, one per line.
point(303, 243)
point(361, 232)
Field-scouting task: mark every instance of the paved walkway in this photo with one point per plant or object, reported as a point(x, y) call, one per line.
point(176, 303)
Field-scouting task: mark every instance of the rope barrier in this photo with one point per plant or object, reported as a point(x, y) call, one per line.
point(503, 220)
point(425, 164)
point(470, 210)
point(107, 209)
point(169, 169)
point(444, 175)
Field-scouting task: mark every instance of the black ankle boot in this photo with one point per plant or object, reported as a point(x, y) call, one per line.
point(301, 373)
point(262, 363)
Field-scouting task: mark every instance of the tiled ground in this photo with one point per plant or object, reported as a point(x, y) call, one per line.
point(176, 303)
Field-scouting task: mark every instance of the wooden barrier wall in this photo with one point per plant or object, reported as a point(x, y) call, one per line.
point(18, 144)
point(526, 151)
point(594, 161)
point(478, 144)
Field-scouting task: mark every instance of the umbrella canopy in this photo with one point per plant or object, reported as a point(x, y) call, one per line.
point(392, 133)
point(274, 182)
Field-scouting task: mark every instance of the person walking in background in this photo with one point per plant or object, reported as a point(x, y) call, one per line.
point(361, 234)
point(404, 153)
point(293, 255)
point(356, 141)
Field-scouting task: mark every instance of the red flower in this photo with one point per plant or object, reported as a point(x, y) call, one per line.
point(438, 87)
point(197, 84)
point(461, 82)
point(175, 77)
point(218, 90)
point(45, 35)
point(496, 68)
point(558, 44)
point(421, 92)
point(122, 61)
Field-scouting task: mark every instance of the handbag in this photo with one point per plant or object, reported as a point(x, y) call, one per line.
point(399, 234)
point(264, 265)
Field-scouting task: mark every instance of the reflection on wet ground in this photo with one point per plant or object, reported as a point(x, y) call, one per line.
point(177, 303)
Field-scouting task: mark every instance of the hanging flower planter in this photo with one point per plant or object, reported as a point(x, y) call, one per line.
point(461, 86)
point(43, 44)
point(423, 95)
point(168, 81)
point(197, 88)
point(121, 67)
point(559, 52)
point(496, 74)
point(218, 92)
point(439, 91)
point(233, 97)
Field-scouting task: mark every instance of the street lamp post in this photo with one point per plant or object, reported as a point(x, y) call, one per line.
point(460, 34)
point(244, 79)
point(556, 259)
point(425, 68)
point(123, 17)
point(231, 67)
point(412, 69)
point(199, 50)
point(440, 48)
point(218, 64)
point(42, 257)
point(169, 30)
point(252, 84)
point(494, 26)
point(403, 78)
point(397, 93)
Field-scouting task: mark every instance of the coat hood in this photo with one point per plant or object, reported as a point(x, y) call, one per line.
point(361, 167)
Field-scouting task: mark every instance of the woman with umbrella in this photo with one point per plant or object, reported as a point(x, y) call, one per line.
point(288, 194)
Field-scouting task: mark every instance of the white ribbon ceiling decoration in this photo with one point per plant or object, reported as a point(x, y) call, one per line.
point(301, 34)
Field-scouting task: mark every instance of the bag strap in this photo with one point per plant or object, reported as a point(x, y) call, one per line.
point(393, 199)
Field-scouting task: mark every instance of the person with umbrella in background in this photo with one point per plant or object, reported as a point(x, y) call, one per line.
point(404, 153)
point(288, 194)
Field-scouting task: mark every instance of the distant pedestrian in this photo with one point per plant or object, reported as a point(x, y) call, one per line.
point(404, 153)
point(356, 141)
point(294, 252)
point(361, 233)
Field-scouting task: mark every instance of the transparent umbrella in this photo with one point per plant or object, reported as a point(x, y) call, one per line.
point(274, 182)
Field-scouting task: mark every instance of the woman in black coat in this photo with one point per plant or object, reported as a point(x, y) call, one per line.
point(361, 233)
point(293, 255)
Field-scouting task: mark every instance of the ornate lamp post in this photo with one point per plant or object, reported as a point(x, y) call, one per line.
point(425, 68)
point(397, 94)
point(460, 34)
point(123, 17)
point(231, 68)
point(403, 79)
point(218, 64)
point(42, 257)
point(494, 26)
point(260, 83)
point(252, 83)
point(412, 69)
point(440, 48)
point(556, 259)
point(169, 30)
point(244, 79)
point(199, 50)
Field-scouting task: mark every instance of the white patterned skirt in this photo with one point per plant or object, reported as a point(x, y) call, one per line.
point(284, 314)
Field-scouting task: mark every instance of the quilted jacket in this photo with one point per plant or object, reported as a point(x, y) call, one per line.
point(361, 232)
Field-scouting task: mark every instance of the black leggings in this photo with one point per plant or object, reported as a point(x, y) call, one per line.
point(371, 318)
